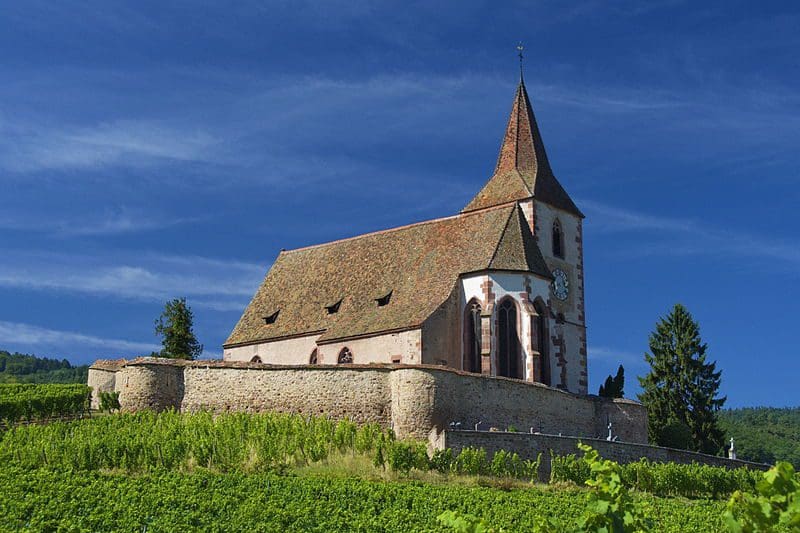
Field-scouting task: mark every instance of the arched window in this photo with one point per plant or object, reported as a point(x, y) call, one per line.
point(313, 359)
point(472, 337)
point(255, 359)
point(540, 342)
point(558, 240)
point(345, 356)
point(508, 345)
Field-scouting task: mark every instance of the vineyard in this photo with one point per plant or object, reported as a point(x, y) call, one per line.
point(29, 402)
point(267, 472)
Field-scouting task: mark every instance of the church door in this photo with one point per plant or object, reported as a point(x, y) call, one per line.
point(508, 345)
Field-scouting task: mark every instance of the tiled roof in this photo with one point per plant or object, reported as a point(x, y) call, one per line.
point(109, 364)
point(522, 170)
point(420, 264)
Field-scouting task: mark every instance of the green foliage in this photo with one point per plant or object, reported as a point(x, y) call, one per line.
point(775, 504)
point(465, 523)
point(29, 402)
point(24, 368)
point(175, 326)
point(682, 385)
point(675, 434)
point(609, 506)
point(59, 499)
point(764, 434)
point(403, 456)
point(663, 479)
point(471, 461)
point(109, 401)
point(614, 387)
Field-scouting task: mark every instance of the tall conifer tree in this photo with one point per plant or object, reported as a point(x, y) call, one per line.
point(681, 389)
point(175, 325)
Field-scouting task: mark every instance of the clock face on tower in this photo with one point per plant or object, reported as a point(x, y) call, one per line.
point(560, 284)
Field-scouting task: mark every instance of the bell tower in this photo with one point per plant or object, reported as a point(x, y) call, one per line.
point(523, 175)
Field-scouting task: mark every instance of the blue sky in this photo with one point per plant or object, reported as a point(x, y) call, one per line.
point(152, 150)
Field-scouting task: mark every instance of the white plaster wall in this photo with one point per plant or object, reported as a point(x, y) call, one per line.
point(513, 285)
point(295, 351)
point(573, 329)
point(407, 345)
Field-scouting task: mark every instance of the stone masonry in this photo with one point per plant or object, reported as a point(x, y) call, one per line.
point(415, 400)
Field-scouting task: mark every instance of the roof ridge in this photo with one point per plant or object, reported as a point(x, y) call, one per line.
point(505, 205)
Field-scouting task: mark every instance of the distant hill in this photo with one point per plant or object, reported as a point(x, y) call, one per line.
point(764, 434)
point(24, 368)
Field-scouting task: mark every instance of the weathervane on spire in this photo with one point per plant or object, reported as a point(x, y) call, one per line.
point(520, 48)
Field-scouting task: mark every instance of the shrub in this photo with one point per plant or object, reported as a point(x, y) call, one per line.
point(109, 401)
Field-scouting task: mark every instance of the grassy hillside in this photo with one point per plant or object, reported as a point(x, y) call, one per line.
point(24, 368)
point(764, 434)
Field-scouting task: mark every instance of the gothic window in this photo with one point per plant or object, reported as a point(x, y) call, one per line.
point(558, 240)
point(345, 356)
point(313, 359)
point(472, 337)
point(508, 345)
point(540, 342)
point(255, 359)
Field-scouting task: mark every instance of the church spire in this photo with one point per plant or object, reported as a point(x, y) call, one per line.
point(523, 170)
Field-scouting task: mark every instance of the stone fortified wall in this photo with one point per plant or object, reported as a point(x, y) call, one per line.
point(414, 400)
point(529, 446)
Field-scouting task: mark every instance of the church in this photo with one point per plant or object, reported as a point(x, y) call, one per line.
point(497, 289)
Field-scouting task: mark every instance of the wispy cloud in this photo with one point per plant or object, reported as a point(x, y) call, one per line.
point(121, 142)
point(20, 336)
point(688, 236)
point(110, 222)
point(210, 283)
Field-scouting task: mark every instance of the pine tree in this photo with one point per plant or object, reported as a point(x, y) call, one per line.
point(614, 387)
point(681, 389)
point(175, 327)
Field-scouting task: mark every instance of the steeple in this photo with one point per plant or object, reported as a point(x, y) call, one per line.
point(522, 170)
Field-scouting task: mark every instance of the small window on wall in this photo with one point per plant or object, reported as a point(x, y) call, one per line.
point(345, 356)
point(255, 359)
point(558, 240)
point(313, 359)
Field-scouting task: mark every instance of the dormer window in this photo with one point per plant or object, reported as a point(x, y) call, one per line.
point(334, 307)
point(270, 319)
point(558, 240)
point(384, 300)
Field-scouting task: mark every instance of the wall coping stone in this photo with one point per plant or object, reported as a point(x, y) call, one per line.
point(702, 457)
point(112, 365)
point(385, 367)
